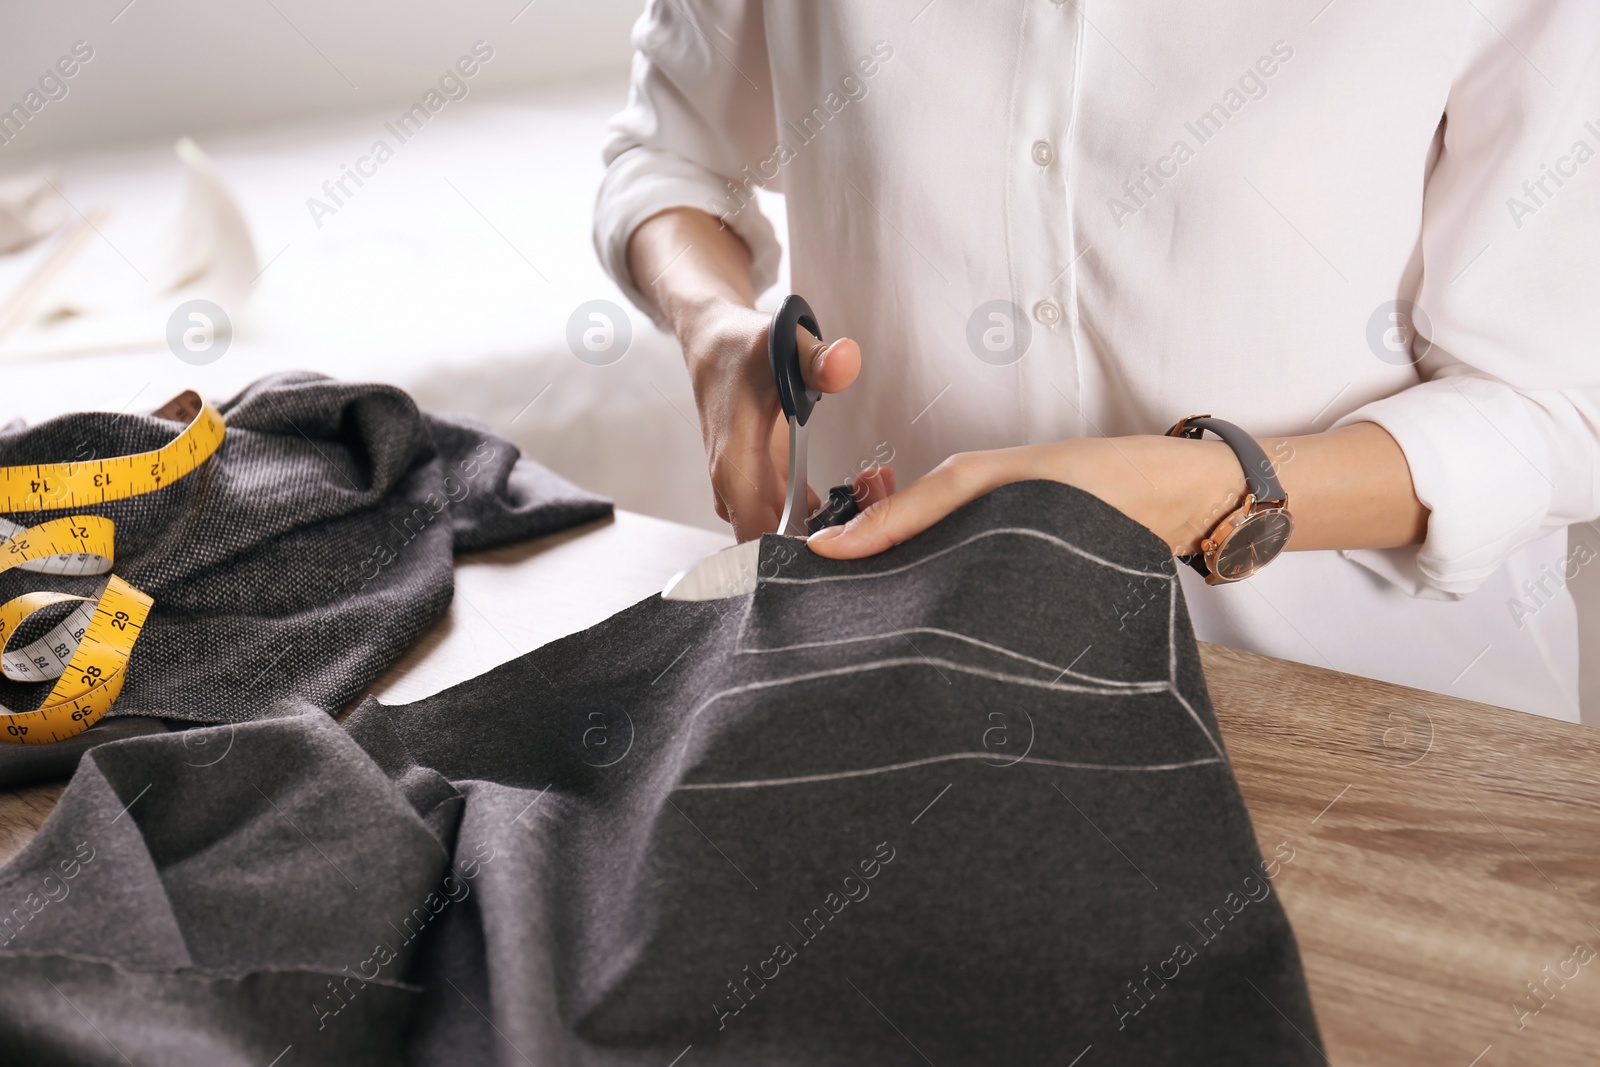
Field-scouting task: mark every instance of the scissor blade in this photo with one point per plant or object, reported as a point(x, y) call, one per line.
point(730, 572)
point(797, 505)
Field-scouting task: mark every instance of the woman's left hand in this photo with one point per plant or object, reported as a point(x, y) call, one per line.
point(1179, 489)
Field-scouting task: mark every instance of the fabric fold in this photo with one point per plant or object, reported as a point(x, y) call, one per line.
point(303, 558)
point(956, 785)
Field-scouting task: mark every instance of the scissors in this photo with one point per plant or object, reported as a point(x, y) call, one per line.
point(733, 571)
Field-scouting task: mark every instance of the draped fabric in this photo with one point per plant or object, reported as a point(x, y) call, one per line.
point(962, 803)
point(296, 563)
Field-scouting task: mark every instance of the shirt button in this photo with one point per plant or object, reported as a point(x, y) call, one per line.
point(1047, 312)
point(1043, 154)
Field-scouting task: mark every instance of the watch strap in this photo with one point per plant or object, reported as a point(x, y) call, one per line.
point(1260, 480)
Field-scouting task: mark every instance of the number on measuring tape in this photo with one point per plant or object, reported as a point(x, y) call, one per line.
point(88, 669)
point(85, 651)
point(64, 486)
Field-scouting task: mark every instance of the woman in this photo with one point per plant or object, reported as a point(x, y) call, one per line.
point(1050, 230)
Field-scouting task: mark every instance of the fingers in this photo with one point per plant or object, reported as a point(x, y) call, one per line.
point(893, 517)
point(743, 501)
point(872, 485)
point(747, 478)
point(746, 436)
point(827, 366)
point(779, 449)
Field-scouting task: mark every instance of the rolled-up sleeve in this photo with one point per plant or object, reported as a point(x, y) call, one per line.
point(698, 124)
point(1503, 434)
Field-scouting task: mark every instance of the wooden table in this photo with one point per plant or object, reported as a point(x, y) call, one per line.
point(1445, 852)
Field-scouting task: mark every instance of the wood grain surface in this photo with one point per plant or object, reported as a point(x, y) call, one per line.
point(1446, 855)
point(22, 812)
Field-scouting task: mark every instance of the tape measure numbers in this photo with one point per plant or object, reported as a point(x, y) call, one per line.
point(63, 486)
point(86, 653)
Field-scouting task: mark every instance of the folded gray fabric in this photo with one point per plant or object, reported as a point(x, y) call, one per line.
point(302, 558)
point(22, 765)
point(961, 803)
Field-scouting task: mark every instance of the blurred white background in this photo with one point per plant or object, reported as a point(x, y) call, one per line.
point(168, 67)
point(452, 271)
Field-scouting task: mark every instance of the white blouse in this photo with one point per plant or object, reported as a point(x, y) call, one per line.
point(1044, 219)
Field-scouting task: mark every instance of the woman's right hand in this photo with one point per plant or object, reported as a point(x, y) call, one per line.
point(701, 283)
point(741, 418)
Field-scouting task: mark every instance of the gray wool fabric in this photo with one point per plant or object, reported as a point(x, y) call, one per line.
point(300, 560)
point(961, 803)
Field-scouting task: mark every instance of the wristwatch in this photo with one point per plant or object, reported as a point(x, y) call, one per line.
point(1251, 536)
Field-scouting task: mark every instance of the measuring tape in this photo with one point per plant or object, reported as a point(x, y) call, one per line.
point(87, 652)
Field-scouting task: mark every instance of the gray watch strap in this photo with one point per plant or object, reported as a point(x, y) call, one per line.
point(1260, 480)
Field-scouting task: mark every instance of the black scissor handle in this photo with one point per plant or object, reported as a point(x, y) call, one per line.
point(784, 354)
point(840, 507)
point(798, 401)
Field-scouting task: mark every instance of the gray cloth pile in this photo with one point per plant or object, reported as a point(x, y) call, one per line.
point(961, 803)
point(301, 559)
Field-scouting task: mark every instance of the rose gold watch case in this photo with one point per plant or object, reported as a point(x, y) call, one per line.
point(1265, 526)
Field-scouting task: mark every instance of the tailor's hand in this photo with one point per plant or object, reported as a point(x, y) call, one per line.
point(1179, 489)
point(741, 418)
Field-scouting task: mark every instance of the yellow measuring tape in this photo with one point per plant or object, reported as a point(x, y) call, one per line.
point(87, 652)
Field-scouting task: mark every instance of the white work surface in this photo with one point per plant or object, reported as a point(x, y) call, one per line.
point(512, 600)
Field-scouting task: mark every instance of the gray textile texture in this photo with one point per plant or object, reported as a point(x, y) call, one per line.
point(961, 803)
point(303, 557)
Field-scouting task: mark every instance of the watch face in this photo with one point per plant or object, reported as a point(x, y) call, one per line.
point(1254, 543)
